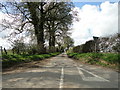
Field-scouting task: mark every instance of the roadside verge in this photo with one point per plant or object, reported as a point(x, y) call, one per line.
point(11, 60)
point(110, 60)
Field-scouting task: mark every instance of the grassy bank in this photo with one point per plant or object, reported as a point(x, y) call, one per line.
point(104, 59)
point(10, 60)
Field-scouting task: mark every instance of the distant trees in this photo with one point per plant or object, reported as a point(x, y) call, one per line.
point(59, 21)
point(68, 42)
point(19, 47)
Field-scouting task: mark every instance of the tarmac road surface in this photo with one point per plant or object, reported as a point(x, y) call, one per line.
point(61, 72)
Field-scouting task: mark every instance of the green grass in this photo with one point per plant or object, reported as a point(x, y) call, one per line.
point(71, 54)
point(54, 54)
point(104, 59)
point(111, 58)
point(10, 60)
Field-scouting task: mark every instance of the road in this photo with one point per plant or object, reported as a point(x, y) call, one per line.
point(60, 72)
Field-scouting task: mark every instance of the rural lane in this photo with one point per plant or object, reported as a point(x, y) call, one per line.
point(60, 72)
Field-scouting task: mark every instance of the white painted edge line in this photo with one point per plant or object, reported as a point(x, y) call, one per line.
point(94, 74)
point(81, 73)
point(61, 78)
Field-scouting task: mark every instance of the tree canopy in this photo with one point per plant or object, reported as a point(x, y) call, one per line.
point(47, 21)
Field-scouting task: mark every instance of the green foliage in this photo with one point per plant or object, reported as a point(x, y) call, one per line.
point(10, 60)
point(103, 59)
point(54, 54)
point(36, 57)
point(72, 54)
point(78, 49)
point(68, 42)
point(46, 55)
point(96, 55)
point(6, 56)
point(33, 49)
point(111, 58)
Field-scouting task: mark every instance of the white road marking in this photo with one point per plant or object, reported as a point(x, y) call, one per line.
point(95, 78)
point(103, 79)
point(61, 78)
point(81, 73)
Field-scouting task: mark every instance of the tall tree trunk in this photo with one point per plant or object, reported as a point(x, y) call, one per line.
point(52, 42)
point(52, 38)
point(40, 36)
point(40, 40)
point(38, 23)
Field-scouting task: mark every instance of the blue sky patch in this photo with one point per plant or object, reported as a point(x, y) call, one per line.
point(80, 4)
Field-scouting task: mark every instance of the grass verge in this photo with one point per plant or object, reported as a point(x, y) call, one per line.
point(104, 59)
point(10, 60)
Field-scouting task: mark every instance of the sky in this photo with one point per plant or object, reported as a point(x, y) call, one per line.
point(95, 19)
